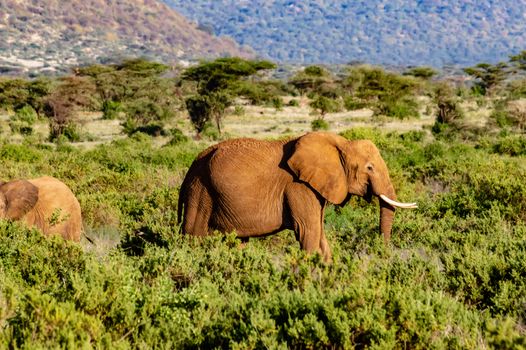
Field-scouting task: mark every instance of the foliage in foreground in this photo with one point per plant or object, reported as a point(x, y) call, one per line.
point(454, 277)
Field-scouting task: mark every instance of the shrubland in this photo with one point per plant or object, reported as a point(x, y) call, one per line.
point(453, 277)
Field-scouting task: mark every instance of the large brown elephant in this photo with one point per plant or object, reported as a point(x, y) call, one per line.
point(45, 203)
point(257, 188)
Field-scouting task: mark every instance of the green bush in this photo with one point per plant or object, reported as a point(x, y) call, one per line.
point(111, 109)
point(453, 276)
point(293, 103)
point(23, 120)
point(501, 117)
point(259, 92)
point(324, 105)
point(390, 94)
point(152, 129)
point(19, 153)
point(177, 137)
point(517, 88)
point(319, 124)
point(400, 109)
point(145, 111)
point(239, 110)
point(277, 103)
point(26, 114)
point(351, 103)
point(72, 133)
point(511, 145)
point(211, 132)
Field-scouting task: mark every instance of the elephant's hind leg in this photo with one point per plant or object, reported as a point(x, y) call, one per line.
point(197, 211)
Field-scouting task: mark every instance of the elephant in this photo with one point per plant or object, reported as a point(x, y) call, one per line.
point(45, 203)
point(257, 187)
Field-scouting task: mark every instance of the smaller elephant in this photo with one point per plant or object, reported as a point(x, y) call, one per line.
point(45, 203)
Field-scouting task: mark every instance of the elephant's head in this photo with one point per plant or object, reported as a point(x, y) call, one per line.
point(337, 168)
point(17, 198)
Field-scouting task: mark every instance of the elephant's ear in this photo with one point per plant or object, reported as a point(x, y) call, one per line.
point(20, 197)
point(316, 160)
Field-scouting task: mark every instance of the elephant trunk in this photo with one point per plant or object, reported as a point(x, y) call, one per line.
point(386, 219)
point(387, 210)
point(388, 203)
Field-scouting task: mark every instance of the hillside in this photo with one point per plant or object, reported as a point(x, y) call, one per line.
point(424, 32)
point(47, 36)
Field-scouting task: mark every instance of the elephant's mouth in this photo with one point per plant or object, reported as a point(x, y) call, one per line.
point(368, 196)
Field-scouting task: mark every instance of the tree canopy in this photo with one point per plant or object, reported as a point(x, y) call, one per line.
point(215, 81)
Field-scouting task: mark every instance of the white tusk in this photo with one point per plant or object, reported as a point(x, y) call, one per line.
point(398, 204)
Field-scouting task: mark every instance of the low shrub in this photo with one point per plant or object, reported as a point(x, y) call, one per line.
point(111, 109)
point(293, 103)
point(351, 103)
point(401, 109)
point(453, 276)
point(23, 120)
point(177, 137)
point(319, 124)
point(513, 145)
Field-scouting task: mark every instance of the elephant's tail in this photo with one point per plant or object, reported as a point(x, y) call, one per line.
point(180, 208)
point(89, 239)
point(83, 233)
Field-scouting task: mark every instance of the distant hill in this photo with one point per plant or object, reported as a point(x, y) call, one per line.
point(395, 32)
point(46, 36)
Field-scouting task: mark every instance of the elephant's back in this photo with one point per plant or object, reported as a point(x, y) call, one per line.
point(242, 144)
point(246, 157)
point(59, 208)
point(54, 190)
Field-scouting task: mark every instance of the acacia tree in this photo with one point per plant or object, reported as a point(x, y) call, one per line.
point(214, 87)
point(387, 93)
point(488, 76)
point(519, 60)
point(137, 88)
point(425, 73)
point(15, 94)
point(311, 79)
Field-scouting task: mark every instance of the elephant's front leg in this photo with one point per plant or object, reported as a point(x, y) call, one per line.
point(306, 210)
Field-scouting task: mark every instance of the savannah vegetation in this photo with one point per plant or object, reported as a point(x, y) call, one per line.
point(454, 276)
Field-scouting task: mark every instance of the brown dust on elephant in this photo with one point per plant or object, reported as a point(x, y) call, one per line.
point(45, 203)
point(257, 188)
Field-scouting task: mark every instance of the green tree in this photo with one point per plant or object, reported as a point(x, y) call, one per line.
point(38, 89)
point(323, 105)
point(137, 88)
point(388, 93)
point(123, 82)
point(311, 79)
point(488, 76)
point(203, 108)
point(13, 93)
point(448, 110)
point(421, 72)
point(519, 60)
point(215, 82)
point(17, 93)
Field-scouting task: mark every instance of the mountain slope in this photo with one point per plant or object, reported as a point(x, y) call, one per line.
point(49, 34)
point(422, 32)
